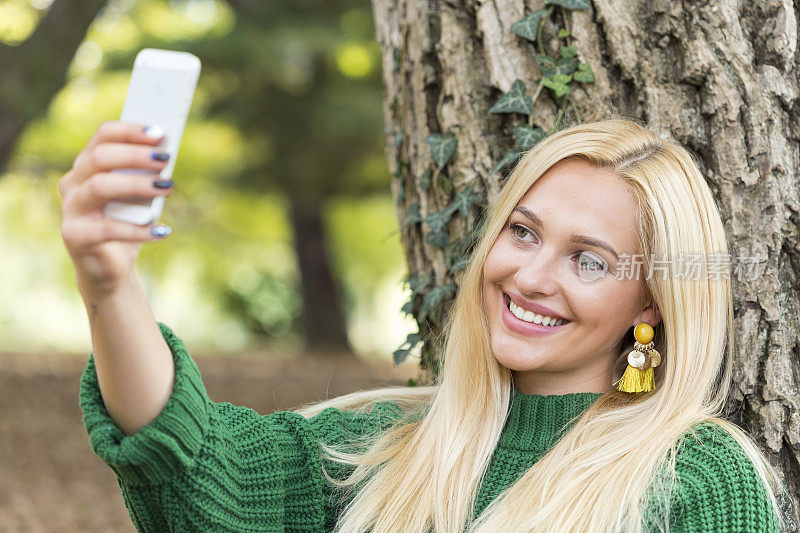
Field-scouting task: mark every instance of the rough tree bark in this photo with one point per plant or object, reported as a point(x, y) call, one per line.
point(719, 76)
point(31, 74)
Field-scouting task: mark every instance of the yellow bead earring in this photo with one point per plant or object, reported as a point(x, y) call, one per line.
point(639, 376)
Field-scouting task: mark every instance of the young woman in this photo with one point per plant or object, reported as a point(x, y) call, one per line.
point(545, 417)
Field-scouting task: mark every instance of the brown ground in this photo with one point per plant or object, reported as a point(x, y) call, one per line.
point(50, 480)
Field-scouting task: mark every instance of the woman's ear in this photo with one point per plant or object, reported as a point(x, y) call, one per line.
point(656, 314)
point(649, 314)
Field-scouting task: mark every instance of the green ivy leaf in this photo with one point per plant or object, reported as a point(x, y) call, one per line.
point(518, 86)
point(434, 298)
point(551, 66)
point(529, 26)
point(452, 252)
point(563, 33)
point(584, 74)
point(462, 263)
point(438, 219)
point(425, 180)
point(412, 215)
point(464, 200)
point(442, 147)
point(514, 101)
point(569, 4)
point(438, 238)
point(569, 51)
point(559, 88)
point(468, 243)
point(547, 65)
point(412, 339)
point(567, 65)
point(526, 137)
point(510, 157)
point(445, 185)
point(419, 281)
point(400, 355)
point(411, 382)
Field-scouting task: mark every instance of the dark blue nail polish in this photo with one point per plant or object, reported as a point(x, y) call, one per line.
point(160, 156)
point(163, 184)
point(160, 231)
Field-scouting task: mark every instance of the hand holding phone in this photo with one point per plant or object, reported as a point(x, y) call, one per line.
point(106, 211)
point(160, 94)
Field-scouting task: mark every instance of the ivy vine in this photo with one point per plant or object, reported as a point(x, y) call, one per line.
point(559, 72)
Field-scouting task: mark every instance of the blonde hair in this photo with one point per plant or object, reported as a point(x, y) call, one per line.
point(423, 473)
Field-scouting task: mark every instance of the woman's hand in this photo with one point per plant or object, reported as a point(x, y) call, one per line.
point(103, 249)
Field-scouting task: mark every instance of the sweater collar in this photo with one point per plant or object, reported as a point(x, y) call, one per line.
point(534, 421)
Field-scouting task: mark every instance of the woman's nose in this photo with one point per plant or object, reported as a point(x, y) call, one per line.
point(539, 273)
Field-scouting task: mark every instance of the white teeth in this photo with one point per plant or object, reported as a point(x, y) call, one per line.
point(530, 316)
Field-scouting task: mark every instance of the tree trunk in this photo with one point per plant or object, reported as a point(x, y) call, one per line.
point(322, 315)
point(718, 76)
point(32, 73)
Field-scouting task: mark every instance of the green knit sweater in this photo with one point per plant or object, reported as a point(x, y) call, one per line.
point(206, 466)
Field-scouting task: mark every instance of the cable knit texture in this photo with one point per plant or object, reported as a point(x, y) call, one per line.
point(208, 466)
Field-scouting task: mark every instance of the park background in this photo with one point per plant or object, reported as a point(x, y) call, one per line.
point(313, 77)
point(282, 157)
point(291, 101)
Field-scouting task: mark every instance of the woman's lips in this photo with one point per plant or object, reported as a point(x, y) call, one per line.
point(539, 309)
point(526, 328)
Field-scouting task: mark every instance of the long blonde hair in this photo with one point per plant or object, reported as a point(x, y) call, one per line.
point(423, 473)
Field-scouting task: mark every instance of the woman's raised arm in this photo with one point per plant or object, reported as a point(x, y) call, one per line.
point(134, 366)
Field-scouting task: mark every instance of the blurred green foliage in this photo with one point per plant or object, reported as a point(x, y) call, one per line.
point(230, 259)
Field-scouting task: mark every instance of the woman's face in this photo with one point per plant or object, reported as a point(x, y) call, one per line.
point(541, 258)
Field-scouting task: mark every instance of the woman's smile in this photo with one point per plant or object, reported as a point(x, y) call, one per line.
point(529, 323)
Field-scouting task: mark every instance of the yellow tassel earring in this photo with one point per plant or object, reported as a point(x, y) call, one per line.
point(639, 376)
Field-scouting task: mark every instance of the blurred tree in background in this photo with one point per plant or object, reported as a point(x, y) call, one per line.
point(282, 218)
point(35, 71)
point(310, 93)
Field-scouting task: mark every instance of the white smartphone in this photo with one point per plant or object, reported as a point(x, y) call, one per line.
point(160, 93)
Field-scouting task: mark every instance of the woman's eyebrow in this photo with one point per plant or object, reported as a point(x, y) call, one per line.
point(581, 239)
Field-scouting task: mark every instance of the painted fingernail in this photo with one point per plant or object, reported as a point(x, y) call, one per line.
point(159, 156)
point(154, 132)
point(163, 184)
point(160, 231)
